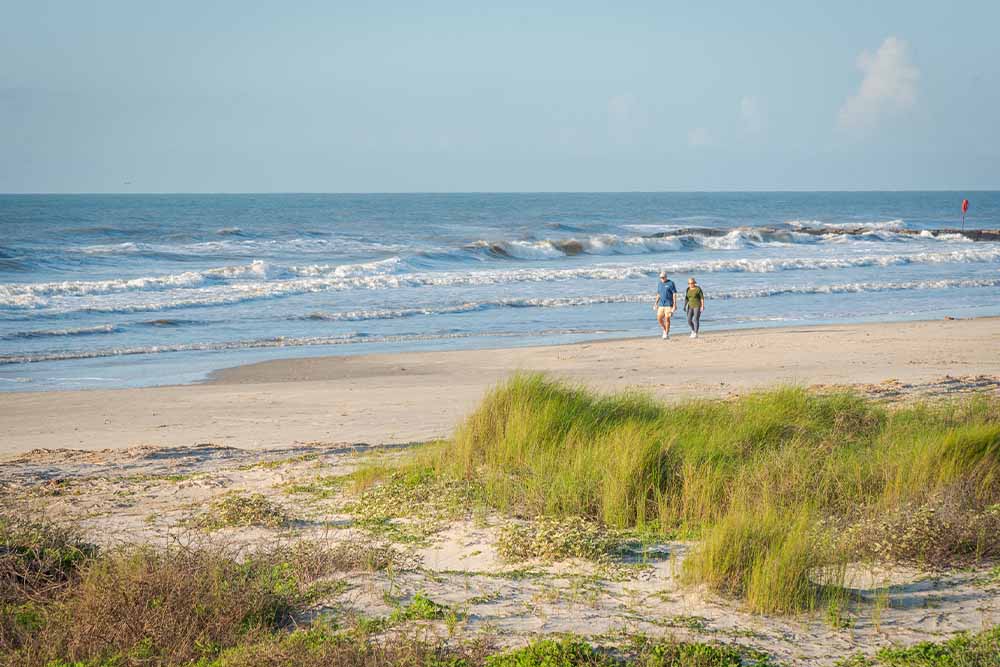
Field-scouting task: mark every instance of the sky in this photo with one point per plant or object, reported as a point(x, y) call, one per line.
point(125, 96)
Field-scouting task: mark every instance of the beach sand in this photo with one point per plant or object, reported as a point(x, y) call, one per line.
point(408, 397)
point(138, 465)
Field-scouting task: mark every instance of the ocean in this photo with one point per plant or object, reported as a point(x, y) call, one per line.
point(100, 291)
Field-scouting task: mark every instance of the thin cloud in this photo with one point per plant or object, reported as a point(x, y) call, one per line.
point(624, 118)
point(752, 113)
point(889, 85)
point(700, 137)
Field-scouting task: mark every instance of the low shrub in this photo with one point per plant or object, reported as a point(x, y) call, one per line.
point(553, 539)
point(239, 509)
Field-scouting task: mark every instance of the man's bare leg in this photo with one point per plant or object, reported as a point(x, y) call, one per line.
point(664, 321)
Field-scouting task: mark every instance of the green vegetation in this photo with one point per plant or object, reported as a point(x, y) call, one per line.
point(408, 504)
point(320, 488)
point(569, 652)
point(553, 539)
point(240, 509)
point(420, 608)
point(784, 487)
point(962, 650)
point(65, 604)
point(278, 463)
point(573, 652)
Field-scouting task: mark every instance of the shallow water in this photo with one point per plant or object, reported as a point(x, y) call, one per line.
point(104, 291)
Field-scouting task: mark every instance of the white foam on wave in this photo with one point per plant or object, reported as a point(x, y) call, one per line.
point(280, 341)
point(557, 302)
point(239, 246)
point(26, 295)
point(72, 331)
point(676, 239)
point(383, 276)
point(945, 237)
point(894, 225)
point(564, 302)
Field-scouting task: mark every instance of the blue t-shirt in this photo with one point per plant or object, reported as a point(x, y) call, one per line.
point(666, 290)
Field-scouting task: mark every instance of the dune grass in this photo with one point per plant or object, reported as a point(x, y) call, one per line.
point(783, 487)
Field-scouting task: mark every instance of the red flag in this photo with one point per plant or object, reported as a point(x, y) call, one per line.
point(965, 206)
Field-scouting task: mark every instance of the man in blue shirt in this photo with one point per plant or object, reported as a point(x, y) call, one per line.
point(666, 302)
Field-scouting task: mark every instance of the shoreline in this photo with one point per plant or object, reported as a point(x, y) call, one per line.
point(415, 396)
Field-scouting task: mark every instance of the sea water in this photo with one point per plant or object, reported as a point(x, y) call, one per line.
point(127, 290)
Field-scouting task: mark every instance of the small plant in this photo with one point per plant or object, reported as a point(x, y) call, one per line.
point(694, 623)
point(855, 660)
point(320, 488)
point(568, 652)
point(37, 559)
point(836, 616)
point(278, 463)
point(552, 539)
point(962, 650)
point(881, 603)
point(420, 608)
point(237, 509)
point(413, 493)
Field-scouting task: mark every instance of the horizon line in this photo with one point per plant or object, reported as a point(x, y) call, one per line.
point(495, 192)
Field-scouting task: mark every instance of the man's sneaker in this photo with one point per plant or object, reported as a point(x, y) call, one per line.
point(666, 336)
point(694, 335)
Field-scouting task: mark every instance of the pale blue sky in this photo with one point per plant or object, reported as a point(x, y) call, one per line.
point(462, 96)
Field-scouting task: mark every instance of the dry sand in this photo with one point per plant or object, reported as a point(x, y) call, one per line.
point(418, 396)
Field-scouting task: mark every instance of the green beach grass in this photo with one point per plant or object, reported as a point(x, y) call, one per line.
point(783, 488)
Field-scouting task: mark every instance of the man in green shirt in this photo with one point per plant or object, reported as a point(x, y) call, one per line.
point(694, 305)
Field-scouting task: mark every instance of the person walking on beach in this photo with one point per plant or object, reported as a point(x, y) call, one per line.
point(694, 306)
point(666, 303)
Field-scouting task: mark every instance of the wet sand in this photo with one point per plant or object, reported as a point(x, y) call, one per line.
point(407, 397)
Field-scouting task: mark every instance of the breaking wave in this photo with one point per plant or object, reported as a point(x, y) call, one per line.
point(565, 302)
point(49, 333)
point(167, 292)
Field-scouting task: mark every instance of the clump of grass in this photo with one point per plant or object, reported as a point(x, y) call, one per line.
point(771, 481)
point(553, 539)
point(239, 509)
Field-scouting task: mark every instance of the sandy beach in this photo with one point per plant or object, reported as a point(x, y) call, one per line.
point(410, 397)
point(289, 433)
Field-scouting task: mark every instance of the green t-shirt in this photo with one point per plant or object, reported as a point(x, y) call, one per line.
point(694, 297)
